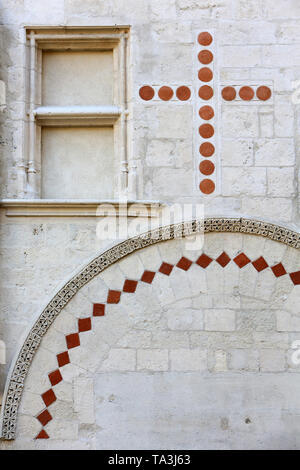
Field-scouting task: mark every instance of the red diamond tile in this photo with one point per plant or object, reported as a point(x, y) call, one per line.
point(295, 277)
point(166, 269)
point(113, 296)
point(98, 310)
point(42, 435)
point(49, 397)
point(278, 270)
point(55, 377)
point(184, 263)
point(260, 264)
point(148, 276)
point(241, 260)
point(204, 260)
point(63, 359)
point(223, 259)
point(73, 340)
point(44, 417)
point(84, 324)
point(129, 286)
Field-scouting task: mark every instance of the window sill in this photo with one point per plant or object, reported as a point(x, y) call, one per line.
point(79, 208)
point(76, 115)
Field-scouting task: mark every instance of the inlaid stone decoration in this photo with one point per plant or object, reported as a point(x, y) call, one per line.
point(165, 93)
point(245, 93)
point(73, 340)
point(241, 265)
point(207, 110)
point(150, 340)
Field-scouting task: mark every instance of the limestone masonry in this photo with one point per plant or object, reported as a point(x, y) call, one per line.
point(187, 336)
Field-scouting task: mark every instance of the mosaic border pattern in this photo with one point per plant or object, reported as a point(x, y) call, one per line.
point(17, 378)
point(84, 324)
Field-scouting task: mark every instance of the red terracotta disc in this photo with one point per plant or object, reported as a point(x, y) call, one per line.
point(246, 93)
point(205, 56)
point(205, 38)
point(207, 186)
point(228, 93)
point(206, 167)
point(183, 93)
point(146, 93)
point(263, 93)
point(206, 149)
point(206, 113)
point(205, 74)
point(165, 93)
point(206, 131)
point(206, 92)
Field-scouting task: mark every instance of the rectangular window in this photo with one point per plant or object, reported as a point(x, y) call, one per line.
point(78, 113)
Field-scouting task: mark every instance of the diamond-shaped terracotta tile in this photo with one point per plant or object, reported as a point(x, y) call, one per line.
point(295, 277)
point(84, 324)
point(72, 340)
point(260, 264)
point(130, 286)
point(223, 259)
point(148, 276)
point(113, 296)
point(44, 417)
point(63, 359)
point(98, 310)
point(55, 377)
point(204, 260)
point(42, 435)
point(184, 263)
point(166, 269)
point(241, 260)
point(49, 397)
point(278, 270)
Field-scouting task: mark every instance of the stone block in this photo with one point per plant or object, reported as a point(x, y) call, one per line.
point(188, 360)
point(83, 389)
point(249, 181)
point(219, 320)
point(153, 360)
point(237, 152)
point(272, 360)
point(119, 360)
point(274, 152)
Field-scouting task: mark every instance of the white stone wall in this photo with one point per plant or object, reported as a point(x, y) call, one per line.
point(207, 350)
point(243, 327)
point(257, 150)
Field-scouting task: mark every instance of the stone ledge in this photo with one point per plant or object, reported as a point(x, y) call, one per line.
point(77, 115)
point(79, 208)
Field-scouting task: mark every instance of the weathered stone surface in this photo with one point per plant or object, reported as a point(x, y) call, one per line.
point(171, 365)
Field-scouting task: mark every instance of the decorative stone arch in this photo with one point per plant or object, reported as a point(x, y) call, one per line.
point(20, 368)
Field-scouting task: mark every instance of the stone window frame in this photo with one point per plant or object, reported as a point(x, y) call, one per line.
point(39, 39)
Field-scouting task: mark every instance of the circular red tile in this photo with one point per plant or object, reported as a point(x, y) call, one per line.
point(206, 167)
point(207, 186)
point(165, 93)
point(146, 92)
point(206, 113)
point(183, 93)
point(206, 149)
point(263, 93)
point(205, 57)
point(206, 92)
point(205, 38)
point(205, 74)
point(206, 131)
point(228, 93)
point(246, 93)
